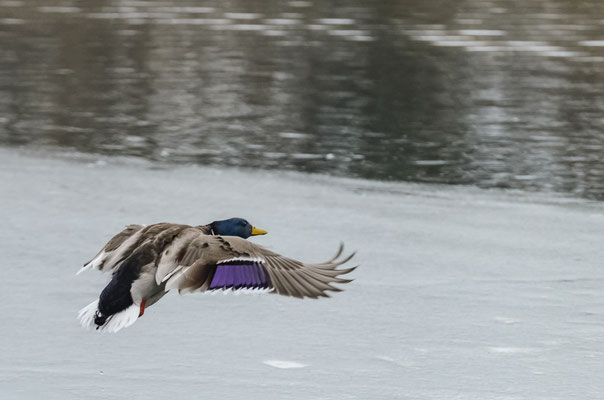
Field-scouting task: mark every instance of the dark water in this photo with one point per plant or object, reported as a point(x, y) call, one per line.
point(490, 93)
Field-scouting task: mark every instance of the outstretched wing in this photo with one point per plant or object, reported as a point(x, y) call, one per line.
point(208, 263)
point(114, 251)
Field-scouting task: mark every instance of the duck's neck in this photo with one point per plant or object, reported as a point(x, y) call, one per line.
point(208, 229)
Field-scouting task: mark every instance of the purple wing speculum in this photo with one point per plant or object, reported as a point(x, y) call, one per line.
point(240, 274)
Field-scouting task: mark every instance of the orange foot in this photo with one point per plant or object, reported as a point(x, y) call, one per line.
point(142, 308)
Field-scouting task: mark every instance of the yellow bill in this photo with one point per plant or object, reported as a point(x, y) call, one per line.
point(256, 231)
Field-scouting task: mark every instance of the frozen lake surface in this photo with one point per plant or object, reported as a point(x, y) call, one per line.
point(462, 293)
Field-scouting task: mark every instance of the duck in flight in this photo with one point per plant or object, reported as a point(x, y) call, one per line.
point(148, 261)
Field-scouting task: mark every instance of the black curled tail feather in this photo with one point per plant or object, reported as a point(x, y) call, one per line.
point(99, 319)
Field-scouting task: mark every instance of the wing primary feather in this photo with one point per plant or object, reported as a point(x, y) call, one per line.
point(320, 281)
point(311, 290)
point(283, 282)
point(333, 264)
point(294, 265)
point(296, 284)
point(332, 272)
point(292, 287)
point(340, 250)
point(278, 283)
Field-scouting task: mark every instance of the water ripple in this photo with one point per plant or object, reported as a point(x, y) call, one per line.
point(483, 94)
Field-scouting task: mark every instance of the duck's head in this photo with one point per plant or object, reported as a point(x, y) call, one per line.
point(236, 227)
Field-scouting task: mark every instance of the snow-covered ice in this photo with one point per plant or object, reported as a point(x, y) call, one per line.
point(462, 293)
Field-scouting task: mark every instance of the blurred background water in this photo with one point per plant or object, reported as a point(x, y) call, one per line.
point(490, 93)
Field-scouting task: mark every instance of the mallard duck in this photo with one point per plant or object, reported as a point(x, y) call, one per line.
point(148, 261)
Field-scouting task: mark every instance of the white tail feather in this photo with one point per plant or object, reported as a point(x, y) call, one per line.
point(114, 323)
point(86, 314)
point(122, 319)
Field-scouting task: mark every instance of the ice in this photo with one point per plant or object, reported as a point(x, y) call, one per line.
point(284, 364)
point(462, 293)
point(512, 350)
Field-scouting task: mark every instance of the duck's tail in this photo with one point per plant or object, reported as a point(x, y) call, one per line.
point(91, 317)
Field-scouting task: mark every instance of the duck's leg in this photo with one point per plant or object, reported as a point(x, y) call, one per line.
point(142, 308)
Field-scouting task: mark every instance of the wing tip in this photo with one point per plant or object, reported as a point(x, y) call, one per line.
point(345, 271)
point(86, 267)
